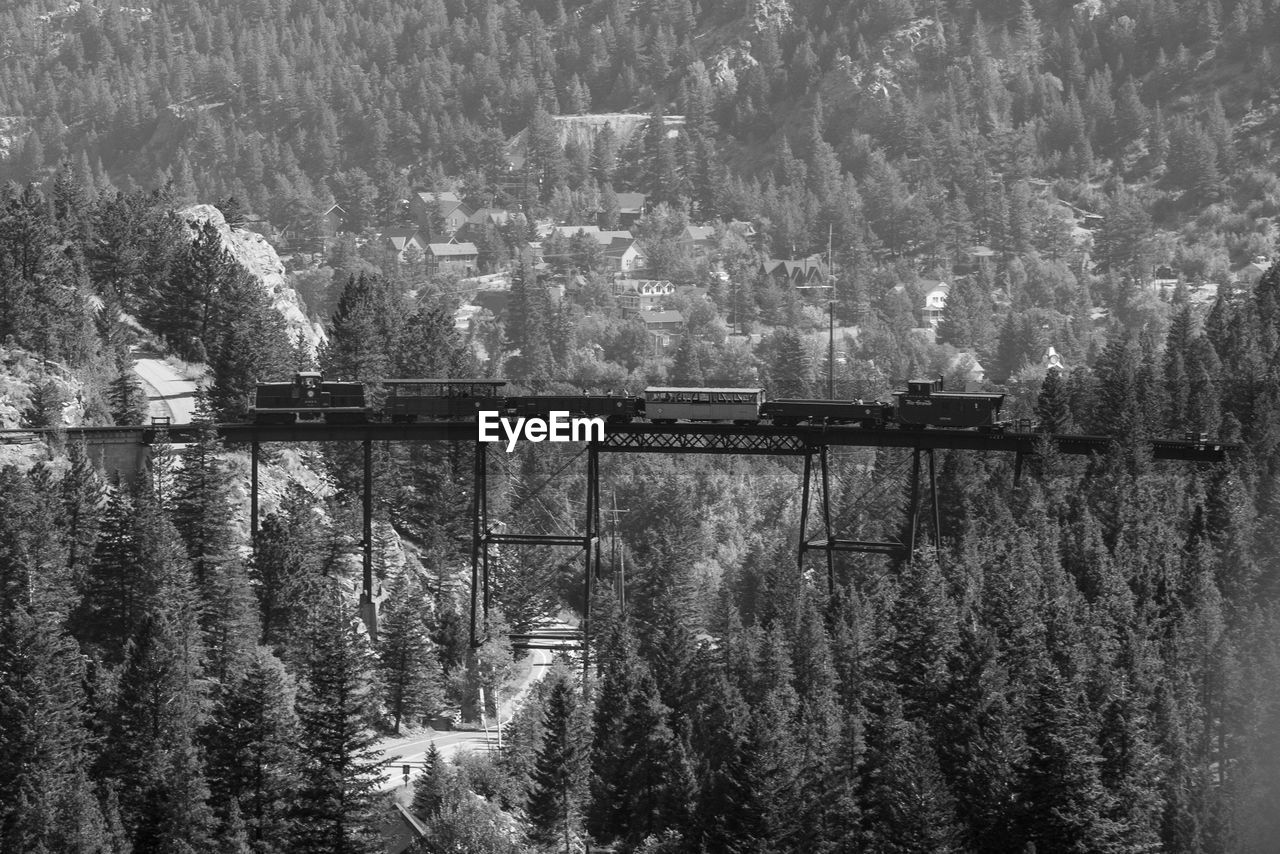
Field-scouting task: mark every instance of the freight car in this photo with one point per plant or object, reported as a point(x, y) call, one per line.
point(308, 398)
point(788, 412)
point(409, 400)
point(926, 404)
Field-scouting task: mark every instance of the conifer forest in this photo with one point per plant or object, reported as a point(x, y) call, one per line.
point(1074, 204)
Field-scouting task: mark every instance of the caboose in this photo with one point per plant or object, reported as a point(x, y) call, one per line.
point(308, 398)
point(925, 404)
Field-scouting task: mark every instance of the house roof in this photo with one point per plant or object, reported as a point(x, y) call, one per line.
point(400, 238)
point(650, 317)
point(619, 246)
point(603, 237)
point(698, 233)
point(498, 216)
point(794, 268)
point(630, 202)
point(452, 250)
point(428, 198)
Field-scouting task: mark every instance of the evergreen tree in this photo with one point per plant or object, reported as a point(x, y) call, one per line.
point(555, 802)
point(252, 757)
point(966, 317)
point(203, 512)
point(407, 665)
point(790, 372)
point(1064, 805)
point(47, 799)
point(1053, 410)
point(336, 810)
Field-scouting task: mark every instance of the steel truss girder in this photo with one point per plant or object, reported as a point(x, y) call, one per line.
point(704, 442)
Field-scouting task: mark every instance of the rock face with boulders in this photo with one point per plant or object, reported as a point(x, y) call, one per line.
point(252, 251)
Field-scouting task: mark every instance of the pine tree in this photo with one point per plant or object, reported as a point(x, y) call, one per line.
point(1064, 806)
point(336, 810)
point(158, 708)
point(47, 801)
point(790, 373)
point(250, 744)
point(198, 276)
point(555, 802)
point(608, 809)
point(966, 317)
point(407, 665)
point(1053, 410)
point(436, 788)
point(203, 512)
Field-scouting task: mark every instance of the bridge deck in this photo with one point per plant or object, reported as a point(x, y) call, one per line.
point(684, 438)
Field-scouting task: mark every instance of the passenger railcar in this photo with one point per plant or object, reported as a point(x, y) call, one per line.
point(791, 411)
point(409, 400)
point(308, 398)
point(616, 409)
point(667, 405)
point(926, 404)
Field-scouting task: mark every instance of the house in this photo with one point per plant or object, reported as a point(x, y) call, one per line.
point(497, 217)
point(402, 240)
point(974, 374)
point(452, 212)
point(623, 255)
point(630, 208)
point(641, 295)
point(604, 237)
point(456, 257)
point(480, 220)
point(806, 272)
point(935, 300)
point(664, 330)
point(1053, 360)
point(698, 240)
point(743, 228)
point(331, 221)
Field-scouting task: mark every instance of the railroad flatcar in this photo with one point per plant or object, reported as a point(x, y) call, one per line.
point(791, 411)
point(613, 408)
point(308, 398)
point(409, 400)
point(926, 404)
point(668, 405)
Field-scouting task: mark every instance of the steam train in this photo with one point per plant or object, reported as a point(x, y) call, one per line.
point(310, 398)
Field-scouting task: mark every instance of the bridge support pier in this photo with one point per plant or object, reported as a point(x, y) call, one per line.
point(832, 544)
point(482, 536)
point(254, 449)
point(368, 608)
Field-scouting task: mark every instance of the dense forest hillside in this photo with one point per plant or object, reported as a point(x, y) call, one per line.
point(1081, 197)
point(923, 121)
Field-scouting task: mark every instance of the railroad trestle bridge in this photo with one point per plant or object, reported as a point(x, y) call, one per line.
point(124, 449)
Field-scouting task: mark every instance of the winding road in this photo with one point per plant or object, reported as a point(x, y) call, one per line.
point(169, 394)
point(413, 749)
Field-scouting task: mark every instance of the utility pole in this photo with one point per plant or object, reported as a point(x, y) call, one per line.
point(831, 322)
point(619, 571)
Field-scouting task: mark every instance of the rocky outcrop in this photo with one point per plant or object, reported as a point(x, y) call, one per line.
point(259, 258)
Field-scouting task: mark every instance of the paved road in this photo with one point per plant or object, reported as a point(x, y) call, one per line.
point(413, 749)
point(169, 394)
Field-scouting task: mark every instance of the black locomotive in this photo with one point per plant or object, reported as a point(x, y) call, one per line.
point(309, 397)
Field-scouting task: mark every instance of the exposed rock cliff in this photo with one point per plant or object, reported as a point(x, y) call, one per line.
point(256, 255)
